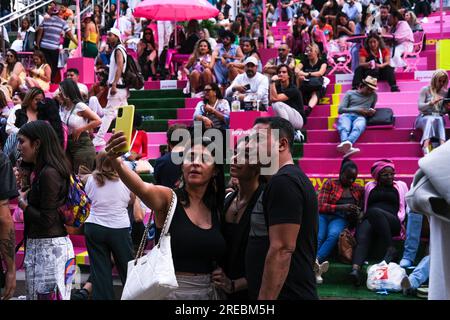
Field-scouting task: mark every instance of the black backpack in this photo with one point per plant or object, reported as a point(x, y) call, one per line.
point(132, 77)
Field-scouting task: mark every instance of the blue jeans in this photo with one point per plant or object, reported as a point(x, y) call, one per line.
point(330, 227)
point(413, 230)
point(350, 126)
point(221, 72)
point(420, 273)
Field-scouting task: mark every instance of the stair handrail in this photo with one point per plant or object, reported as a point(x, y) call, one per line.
point(14, 13)
point(20, 15)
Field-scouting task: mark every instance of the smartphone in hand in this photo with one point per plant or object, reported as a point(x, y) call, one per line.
point(124, 123)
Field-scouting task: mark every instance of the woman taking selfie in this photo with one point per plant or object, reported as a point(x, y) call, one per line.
point(196, 240)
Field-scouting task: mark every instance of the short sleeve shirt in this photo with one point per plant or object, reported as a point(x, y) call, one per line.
point(53, 27)
point(295, 100)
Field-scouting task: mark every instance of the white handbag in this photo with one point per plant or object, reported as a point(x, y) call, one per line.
point(152, 277)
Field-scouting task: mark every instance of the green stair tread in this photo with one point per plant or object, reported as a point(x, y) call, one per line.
point(348, 291)
point(170, 113)
point(156, 94)
point(157, 103)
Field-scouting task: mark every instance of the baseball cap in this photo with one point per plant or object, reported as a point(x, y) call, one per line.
point(115, 32)
point(251, 60)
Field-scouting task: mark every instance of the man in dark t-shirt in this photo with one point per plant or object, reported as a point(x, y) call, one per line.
point(8, 190)
point(282, 244)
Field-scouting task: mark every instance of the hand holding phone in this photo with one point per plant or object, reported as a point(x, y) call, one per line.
point(124, 123)
point(247, 87)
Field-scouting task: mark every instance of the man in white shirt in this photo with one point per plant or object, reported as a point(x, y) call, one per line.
point(353, 10)
point(250, 85)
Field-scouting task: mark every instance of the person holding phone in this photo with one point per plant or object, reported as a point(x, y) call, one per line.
point(340, 201)
point(213, 111)
point(432, 108)
point(287, 100)
point(250, 85)
point(353, 110)
point(200, 66)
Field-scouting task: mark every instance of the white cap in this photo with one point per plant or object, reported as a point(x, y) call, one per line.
point(115, 32)
point(251, 60)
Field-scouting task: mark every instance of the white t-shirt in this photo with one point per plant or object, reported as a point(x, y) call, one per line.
point(109, 203)
point(72, 119)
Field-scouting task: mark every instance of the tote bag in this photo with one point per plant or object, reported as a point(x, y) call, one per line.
point(152, 277)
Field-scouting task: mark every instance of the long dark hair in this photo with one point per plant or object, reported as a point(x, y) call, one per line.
point(48, 110)
point(253, 45)
point(152, 39)
point(50, 150)
point(374, 35)
point(70, 89)
point(21, 114)
point(10, 67)
point(289, 71)
point(215, 192)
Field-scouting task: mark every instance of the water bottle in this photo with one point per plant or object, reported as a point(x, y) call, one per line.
point(235, 105)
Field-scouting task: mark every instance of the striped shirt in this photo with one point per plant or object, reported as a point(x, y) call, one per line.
point(53, 27)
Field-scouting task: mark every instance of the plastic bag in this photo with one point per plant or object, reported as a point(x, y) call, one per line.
point(383, 276)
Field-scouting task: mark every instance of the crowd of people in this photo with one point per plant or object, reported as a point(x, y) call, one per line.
point(271, 235)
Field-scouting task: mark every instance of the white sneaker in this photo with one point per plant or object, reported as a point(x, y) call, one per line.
point(320, 269)
point(344, 146)
point(351, 152)
point(299, 137)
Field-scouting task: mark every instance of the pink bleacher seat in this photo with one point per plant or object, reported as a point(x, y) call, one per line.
point(412, 58)
point(266, 54)
point(340, 60)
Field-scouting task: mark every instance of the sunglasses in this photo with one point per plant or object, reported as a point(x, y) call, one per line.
point(281, 49)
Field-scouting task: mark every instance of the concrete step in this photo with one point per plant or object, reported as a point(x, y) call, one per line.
point(368, 150)
point(152, 94)
point(157, 103)
point(404, 165)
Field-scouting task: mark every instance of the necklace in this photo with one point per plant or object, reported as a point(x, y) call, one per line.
point(237, 208)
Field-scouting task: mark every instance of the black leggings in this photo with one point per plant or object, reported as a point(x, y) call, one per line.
point(379, 225)
point(386, 73)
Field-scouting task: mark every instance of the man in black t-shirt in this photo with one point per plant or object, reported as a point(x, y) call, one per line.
point(287, 100)
point(8, 190)
point(280, 257)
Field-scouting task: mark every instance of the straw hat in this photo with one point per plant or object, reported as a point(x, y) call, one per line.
point(371, 82)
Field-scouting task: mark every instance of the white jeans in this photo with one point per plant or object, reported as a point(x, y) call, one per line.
point(95, 106)
point(396, 60)
point(286, 112)
point(165, 29)
point(110, 113)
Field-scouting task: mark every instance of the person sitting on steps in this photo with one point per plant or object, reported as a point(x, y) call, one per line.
point(356, 106)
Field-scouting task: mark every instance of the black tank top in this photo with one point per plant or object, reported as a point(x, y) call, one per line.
point(195, 250)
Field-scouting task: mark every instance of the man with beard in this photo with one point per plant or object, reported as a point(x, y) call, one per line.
point(250, 85)
point(224, 54)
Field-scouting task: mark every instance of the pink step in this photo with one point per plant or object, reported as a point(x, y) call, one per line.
point(328, 136)
point(156, 85)
point(383, 86)
point(78, 240)
point(368, 150)
point(395, 97)
point(187, 122)
point(191, 102)
point(185, 113)
point(404, 165)
point(153, 151)
point(405, 122)
point(157, 137)
point(318, 180)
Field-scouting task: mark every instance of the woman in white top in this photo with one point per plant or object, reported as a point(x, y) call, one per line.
point(107, 229)
point(79, 120)
point(19, 44)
